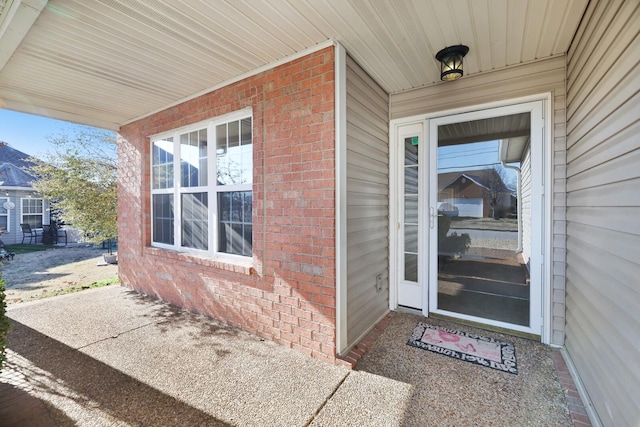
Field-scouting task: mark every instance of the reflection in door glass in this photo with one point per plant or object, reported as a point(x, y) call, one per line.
point(411, 209)
point(483, 204)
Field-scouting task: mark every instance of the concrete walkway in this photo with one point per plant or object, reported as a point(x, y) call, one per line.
point(110, 357)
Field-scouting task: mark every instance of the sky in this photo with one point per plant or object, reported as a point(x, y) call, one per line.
point(474, 156)
point(478, 155)
point(28, 133)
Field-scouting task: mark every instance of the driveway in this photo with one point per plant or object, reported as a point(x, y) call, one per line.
point(40, 274)
point(486, 234)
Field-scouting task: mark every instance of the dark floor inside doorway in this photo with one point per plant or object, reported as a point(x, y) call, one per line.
point(487, 284)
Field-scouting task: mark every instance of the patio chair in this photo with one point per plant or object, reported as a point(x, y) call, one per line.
point(4, 253)
point(29, 232)
point(61, 233)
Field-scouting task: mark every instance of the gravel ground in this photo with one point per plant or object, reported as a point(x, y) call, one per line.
point(450, 392)
point(36, 274)
point(502, 244)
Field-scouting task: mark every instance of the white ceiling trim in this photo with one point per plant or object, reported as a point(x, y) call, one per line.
point(236, 79)
point(58, 114)
point(20, 17)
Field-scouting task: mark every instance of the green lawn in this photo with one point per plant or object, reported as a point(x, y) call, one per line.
point(97, 284)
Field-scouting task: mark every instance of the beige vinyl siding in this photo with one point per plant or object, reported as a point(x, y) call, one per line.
point(527, 79)
point(603, 207)
point(367, 201)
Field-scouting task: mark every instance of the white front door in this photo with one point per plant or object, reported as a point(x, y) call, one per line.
point(470, 208)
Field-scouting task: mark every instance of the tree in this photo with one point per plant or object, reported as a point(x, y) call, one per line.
point(80, 177)
point(494, 188)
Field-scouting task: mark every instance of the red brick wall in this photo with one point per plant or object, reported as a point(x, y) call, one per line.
point(288, 295)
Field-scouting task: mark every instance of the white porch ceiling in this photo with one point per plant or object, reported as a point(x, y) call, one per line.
point(107, 62)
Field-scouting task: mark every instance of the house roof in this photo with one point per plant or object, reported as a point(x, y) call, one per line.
point(12, 168)
point(478, 177)
point(512, 150)
point(106, 63)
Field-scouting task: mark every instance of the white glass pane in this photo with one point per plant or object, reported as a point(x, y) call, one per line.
point(234, 161)
point(411, 238)
point(235, 232)
point(162, 205)
point(234, 134)
point(193, 155)
point(162, 176)
point(411, 267)
point(246, 131)
point(411, 151)
point(411, 209)
point(411, 180)
point(481, 269)
point(195, 226)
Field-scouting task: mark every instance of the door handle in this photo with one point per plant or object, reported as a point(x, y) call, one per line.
point(432, 217)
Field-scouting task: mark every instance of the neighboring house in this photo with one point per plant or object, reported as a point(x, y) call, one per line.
point(277, 167)
point(19, 202)
point(469, 193)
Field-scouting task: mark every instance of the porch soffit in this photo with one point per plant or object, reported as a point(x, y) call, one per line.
point(107, 62)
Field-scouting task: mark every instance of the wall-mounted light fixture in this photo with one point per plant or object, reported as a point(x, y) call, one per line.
point(451, 62)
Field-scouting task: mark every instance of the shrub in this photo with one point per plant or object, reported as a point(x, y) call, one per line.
point(455, 244)
point(5, 325)
point(444, 223)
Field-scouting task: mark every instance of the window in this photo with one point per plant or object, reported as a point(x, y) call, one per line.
point(201, 187)
point(4, 214)
point(32, 212)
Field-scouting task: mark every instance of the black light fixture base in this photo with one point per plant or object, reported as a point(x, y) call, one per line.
point(460, 50)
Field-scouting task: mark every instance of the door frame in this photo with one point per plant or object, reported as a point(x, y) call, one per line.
point(395, 202)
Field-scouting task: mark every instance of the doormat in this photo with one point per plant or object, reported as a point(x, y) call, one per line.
point(472, 348)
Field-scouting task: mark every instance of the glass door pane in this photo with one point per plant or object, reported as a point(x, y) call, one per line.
point(482, 264)
point(411, 209)
point(411, 268)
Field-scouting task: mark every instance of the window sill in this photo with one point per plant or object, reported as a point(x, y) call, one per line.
point(239, 266)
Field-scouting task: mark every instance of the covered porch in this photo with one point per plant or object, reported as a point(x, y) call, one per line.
point(320, 94)
point(202, 372)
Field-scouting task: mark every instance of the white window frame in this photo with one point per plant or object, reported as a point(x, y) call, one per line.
point(22, 213)
point(212, 189)
point(4, 200)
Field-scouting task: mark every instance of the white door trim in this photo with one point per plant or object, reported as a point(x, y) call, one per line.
point(341, 196)
point(545, 193)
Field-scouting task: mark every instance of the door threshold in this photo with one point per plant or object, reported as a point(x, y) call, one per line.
point(409, 310)
point(479, 325)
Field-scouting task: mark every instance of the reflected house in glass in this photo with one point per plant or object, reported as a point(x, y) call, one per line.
point(474, 194)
